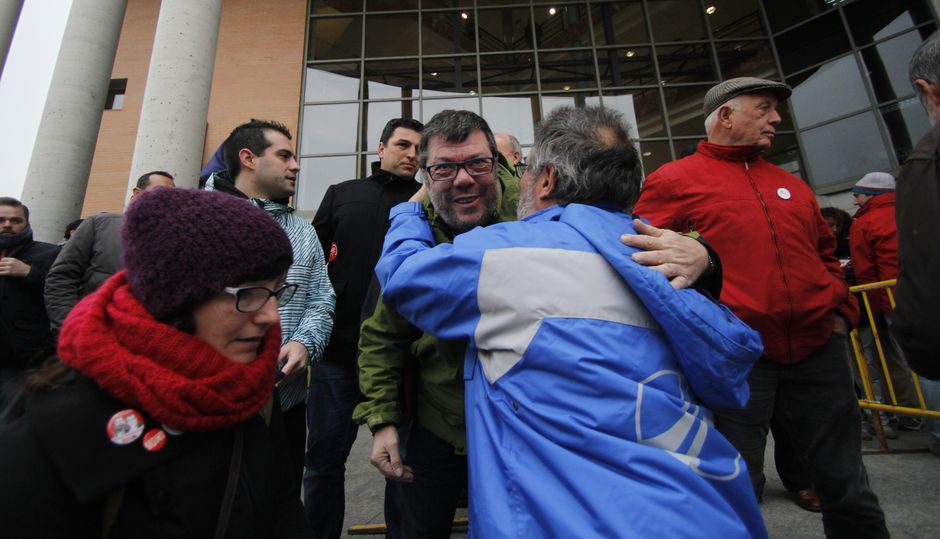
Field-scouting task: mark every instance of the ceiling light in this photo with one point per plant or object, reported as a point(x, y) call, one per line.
point(473, 92)
point(630, 54)
point(566, 87)
point(434, 73)
point(552, 11)
point(711, 10)
point(464, 15)
point(647, 154)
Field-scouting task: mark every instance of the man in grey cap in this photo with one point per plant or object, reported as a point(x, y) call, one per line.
point(781, 277)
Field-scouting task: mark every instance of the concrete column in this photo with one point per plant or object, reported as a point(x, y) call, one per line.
point(172, 128)
point(65, 142)
point(9, 14)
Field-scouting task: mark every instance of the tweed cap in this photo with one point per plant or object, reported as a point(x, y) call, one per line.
point(184, 246)
point(720, 93)
point(875, 183)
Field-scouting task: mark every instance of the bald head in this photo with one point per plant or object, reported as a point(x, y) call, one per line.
point(509, 146)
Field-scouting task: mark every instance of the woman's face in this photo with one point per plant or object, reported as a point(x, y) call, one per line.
point(234, 334)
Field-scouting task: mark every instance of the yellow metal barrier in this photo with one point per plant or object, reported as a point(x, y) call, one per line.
point(870, 401)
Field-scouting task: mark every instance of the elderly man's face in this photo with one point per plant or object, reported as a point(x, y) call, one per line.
point(755, 123)
point(12, 219)
point(467, 201)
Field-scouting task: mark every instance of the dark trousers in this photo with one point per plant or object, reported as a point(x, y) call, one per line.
point(331, 398)
point(814, 402)
point(427, 504)
point(295, 430)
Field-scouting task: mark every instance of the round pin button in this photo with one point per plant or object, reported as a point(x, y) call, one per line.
point(154, 440)
point(125, 426)
point(783, 193)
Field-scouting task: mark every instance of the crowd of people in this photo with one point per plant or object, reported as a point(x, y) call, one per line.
point(574, 350)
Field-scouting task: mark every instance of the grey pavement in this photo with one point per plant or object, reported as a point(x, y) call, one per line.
point(907, 482)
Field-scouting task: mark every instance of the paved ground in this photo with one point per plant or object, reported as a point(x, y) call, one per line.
point(907, 483)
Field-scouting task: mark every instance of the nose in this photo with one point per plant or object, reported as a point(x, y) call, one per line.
point(464, 178)
point(267, 314)
point(775, 118)
point(294, 165)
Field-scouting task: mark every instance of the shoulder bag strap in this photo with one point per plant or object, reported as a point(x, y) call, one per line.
point(228, 500)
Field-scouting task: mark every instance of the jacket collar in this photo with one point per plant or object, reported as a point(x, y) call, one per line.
point(728, 153)
point(385, 177)
point(885, 200)
point(220, 181)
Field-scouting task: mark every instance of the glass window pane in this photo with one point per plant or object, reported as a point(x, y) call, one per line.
point(619, 22)
point(391, 79)
point(332, 82)
point(429, 4)
point(508, 73)
point(871, 20)
point(329, 128)
point(654, 154)
point(686, 63)
point(746, 59)
point(624, 104)
point(684, 106)
point(785, 154)
point(430, 107)
point(831, 90)
point(562, 26)
point(845, 150)
point(886, 64)
point(734, 18)
point(570, 99)
point(646, 109)
point(317, 174)
point(567, 70)
point(513, 115)
point(402, 42)
point(811, 43)
point(785, 13)
point(450, 75)
point(907, 123)
point(391, 5)
point(684, 147)
point(379, 113)
point(626, 67)
point(505, 29)
point(326, 7)
point(445, 32)
point(677, 20)
point(334, 38)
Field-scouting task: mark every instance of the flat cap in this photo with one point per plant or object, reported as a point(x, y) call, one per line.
point(723, 91)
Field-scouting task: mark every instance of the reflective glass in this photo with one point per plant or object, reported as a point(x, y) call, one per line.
point(391, 5)
point(686, 63)
point(335, 37)
point(644, 106)
point(886, 64)
point(329, 128)
point(567, 70)
point(513, 115)
point(783, 14)
point(508, 73)
point(786, 154)
point(391, 79)
point(812, 43)
point(684, 147)
point(379, 113)
point(845, 150)
point(430, 107)
point(746, 59)
point(654, 154)
point(907, 123)
point(734, 18)
point(871, 20)
point(326, 7)
point(832, 89)
point(430, 4)
point(446, 32)
point(568, 99)
point(677, 20)
point(684, 106)
point(402, 42)
point(317, 174)
point(505, 29)
point(624, 104)
point(569, 26)
point(619, 23)
point(631, 66)
point(457, 75)
point(332, 82)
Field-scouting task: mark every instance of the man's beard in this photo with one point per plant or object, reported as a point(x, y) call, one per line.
point(452, 218)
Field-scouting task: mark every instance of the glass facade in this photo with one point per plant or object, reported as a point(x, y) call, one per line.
point(853, 110)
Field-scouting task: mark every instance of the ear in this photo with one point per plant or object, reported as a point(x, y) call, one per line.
point(546, 182)
point(724, 116)
point(134, 192)
point(381, 150)
point(246, 158)
point(930, 91)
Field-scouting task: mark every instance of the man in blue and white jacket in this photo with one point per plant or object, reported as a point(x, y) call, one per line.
point(588, 375)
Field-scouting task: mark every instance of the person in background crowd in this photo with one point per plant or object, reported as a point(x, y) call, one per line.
point(69, 230)
point(157, 416)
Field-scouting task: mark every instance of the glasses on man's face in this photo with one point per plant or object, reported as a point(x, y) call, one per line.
point(520, 169)
point(252, 298)
point(445, 172)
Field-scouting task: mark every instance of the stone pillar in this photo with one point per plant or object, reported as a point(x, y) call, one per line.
point(172, 128)
point(9, 14)
point(68, 130)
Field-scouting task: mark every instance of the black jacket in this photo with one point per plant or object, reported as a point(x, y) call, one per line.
point(24, 325)
point(351, 224)
point(60, 468)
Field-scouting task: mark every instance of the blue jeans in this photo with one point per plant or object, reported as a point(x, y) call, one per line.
point(815, 403)
point(331, 398)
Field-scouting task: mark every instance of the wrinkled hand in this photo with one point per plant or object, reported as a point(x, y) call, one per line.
point(841, 325)
point(419, 195)
point(385, 455)
point(13, 267)
point(296, 356)
point(680, 258)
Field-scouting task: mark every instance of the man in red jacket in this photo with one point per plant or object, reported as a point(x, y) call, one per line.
point(782, 278)
point(874, 245)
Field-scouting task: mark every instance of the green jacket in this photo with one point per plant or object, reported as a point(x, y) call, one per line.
point(387, 342)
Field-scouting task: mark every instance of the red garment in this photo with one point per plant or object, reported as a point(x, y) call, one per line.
point(874, 243)
point(781, 275)
point(178, 379)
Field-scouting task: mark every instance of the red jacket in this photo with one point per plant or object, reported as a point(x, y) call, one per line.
point(874, 244)
point(781, 275)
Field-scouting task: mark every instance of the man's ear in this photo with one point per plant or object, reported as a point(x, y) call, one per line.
point(724, 115)
point(930, 91)
point(247, 158)
point(547, 180)
point(381, 150)
point(134, 192)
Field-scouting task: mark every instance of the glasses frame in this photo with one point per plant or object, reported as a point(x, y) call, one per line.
point(278, 295)
point(461, 165)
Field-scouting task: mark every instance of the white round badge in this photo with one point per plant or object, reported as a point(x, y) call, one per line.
point(783, 193)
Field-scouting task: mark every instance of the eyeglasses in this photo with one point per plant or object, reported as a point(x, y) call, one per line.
point(445, 172)
point(252, 298)
point(520, 168)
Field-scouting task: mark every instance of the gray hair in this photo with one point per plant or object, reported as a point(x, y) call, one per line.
point(734, 103)
point(925, 64)
point(593, 156)
point(453, 126)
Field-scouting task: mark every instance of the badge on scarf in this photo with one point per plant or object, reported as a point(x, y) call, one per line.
point(125, 426)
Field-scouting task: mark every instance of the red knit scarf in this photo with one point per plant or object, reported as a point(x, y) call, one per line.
point(178, 379)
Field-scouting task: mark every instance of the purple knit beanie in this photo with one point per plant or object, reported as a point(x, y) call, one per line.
point(183, 246)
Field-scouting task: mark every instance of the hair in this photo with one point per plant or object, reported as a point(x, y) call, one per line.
point(842, 219)
point(712, 119)
point(925, 63)
point(71, 227)
point(590, 167)
point(454, 126)
point(10, 201)
point(143, 181)
point(395, 123)
point(251, 136)
point(516, 147)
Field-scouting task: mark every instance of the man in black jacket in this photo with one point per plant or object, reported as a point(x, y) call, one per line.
point(351, 224)
point(24, 326)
